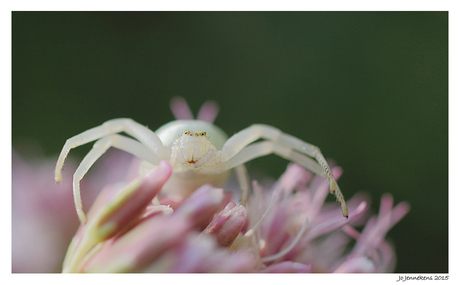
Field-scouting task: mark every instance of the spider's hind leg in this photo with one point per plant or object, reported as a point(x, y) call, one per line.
point(242, 175)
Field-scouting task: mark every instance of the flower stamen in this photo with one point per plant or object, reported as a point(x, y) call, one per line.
point(290, 247)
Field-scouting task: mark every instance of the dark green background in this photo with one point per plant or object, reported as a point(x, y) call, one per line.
point(369, 88)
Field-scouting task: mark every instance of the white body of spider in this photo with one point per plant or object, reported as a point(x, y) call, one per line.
point(199, 152)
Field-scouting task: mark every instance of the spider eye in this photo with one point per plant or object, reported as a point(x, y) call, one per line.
point(202, 133)
point(185, 132)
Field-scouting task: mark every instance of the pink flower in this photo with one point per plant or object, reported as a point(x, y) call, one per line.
point(127, 233)
point(288, 228)
point(301, 228)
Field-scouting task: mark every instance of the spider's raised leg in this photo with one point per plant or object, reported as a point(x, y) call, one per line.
point(147, 137)
point(100, 147)
point(243, 138)
point(284, 145)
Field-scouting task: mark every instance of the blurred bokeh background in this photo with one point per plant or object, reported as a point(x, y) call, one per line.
point(369, 88)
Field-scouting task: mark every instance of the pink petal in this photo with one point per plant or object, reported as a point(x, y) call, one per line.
point(180, 109)
point(358, 264)
point(201, 205)
point(201, 254)
point(126, 206)
point(287, 267)
point(335, 223)
point(208, 112)
point(140, 246)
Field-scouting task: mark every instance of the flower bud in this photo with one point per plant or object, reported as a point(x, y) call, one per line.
point(130, 202)
point(227, 224)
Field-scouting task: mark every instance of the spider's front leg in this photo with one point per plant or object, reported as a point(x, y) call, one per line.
point(238, 150)
point(148, 147)
point(147, 137)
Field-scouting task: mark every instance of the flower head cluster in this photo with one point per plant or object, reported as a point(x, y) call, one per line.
point(286, 228)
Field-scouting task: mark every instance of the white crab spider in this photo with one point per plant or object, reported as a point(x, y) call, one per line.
point(198, 151)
